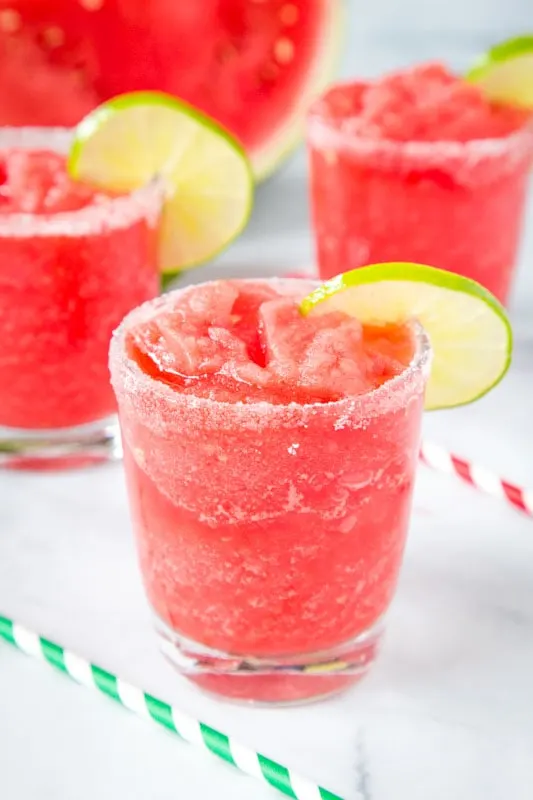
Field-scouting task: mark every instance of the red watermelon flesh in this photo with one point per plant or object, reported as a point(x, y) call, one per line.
point(246, 62)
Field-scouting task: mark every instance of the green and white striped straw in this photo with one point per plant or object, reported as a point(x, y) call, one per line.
point(149, 707)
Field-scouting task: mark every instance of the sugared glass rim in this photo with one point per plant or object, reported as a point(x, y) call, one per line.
point(128, 377)
point(113, 214)
point(324, 133)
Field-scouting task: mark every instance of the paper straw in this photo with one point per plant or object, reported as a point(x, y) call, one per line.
point(145, 705)
point(482, 479)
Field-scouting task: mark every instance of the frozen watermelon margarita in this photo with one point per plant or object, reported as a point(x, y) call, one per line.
point(73, 261)
point(421, 166)
point(270, 461)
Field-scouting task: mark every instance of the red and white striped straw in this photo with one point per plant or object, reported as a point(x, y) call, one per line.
point(482, 479)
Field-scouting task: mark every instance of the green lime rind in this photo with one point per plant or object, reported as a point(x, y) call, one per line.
point(505, 72)
point(455, 312)
point(169, 280)
point(150, 162)
point(518, 46)
point(90, 124)
point(93, 121)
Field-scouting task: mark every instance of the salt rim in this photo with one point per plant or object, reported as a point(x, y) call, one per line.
point(129, 379)
point(114, 213)
point(325, 134)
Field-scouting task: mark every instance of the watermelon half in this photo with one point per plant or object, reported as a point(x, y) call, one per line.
point(252, 64)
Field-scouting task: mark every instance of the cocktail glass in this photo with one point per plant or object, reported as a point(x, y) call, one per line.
point(270, 537)
point(66, 280)
point(456, 205)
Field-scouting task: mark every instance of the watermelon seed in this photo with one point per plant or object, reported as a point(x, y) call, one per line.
point(92, 5)
point(289, 14)
point(283, 50)
point(53, 36)
point(10, 20)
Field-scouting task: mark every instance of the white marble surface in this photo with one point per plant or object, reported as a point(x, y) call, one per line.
point(447, 713)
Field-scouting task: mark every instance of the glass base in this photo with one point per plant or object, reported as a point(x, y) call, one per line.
point(281, 680)
point(64, 448)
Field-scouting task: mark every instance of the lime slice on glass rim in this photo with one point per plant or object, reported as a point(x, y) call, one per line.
point(133, 138)
point(505, 72)
point(468, 328)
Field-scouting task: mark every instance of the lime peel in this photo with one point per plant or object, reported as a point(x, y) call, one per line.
point(505, 72)
point(129, 140)
point(468, 328)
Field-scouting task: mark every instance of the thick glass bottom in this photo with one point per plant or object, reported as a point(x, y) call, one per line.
point(280, 680)
point(64, 448)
